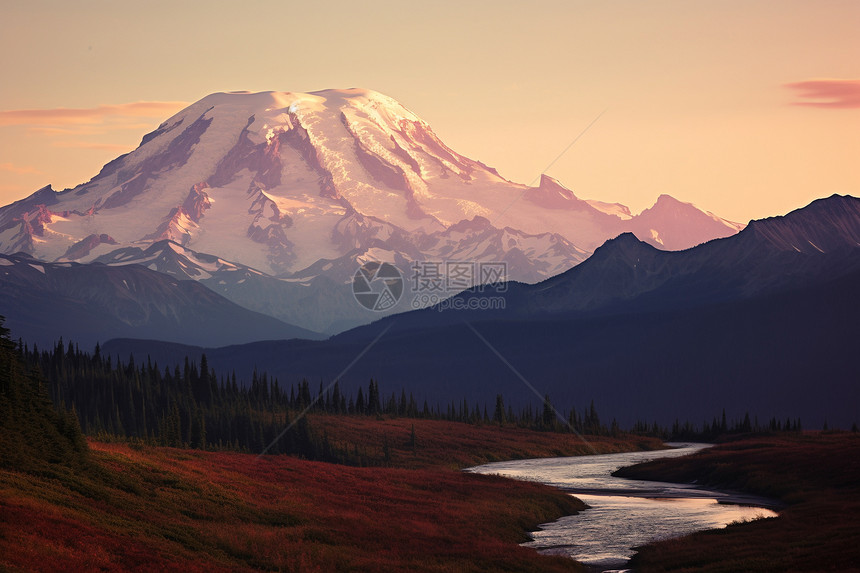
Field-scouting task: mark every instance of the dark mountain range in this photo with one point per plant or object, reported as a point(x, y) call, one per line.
point(92, 303)
point(625, 275)
point(766, 321)
point(314, 299)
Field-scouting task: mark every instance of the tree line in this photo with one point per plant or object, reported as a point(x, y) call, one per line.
point(35, 435)
point(190, 406)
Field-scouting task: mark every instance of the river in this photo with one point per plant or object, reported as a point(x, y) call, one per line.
point(624, 513)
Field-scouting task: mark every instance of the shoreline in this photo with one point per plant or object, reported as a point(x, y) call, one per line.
point(723, 497)
point(652, 490)
point(812, 476)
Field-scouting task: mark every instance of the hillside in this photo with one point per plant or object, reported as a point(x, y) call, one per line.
point(761, 355)
point(178, 510)
point(749, 323)
point(93, 303)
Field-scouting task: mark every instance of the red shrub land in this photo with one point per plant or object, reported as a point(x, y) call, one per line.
point(156, 509)
point(817, 476)
point(457, 445)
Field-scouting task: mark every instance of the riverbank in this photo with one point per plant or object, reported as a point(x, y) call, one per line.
point(169, 509)
point(814, 475)
point(623, 513)
point(422, 444)
point(137, 507)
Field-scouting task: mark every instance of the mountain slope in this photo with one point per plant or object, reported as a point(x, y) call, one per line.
point(91, 303)
point(674, 225)
point(755, 321)
point(786, 355)
point(817, 243)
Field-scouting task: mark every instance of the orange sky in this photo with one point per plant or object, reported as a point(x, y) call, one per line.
point(746, 108)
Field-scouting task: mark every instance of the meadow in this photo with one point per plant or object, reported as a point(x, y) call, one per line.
point(139, 507)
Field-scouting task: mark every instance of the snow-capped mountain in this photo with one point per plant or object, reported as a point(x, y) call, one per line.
point(809, 246)
point(295, 187)
point(674, 225)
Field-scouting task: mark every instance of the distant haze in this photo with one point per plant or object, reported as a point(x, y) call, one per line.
point(747, 109)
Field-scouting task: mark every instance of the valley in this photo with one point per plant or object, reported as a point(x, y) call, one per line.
point(198, 373)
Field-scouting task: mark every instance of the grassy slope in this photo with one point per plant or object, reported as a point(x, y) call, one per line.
point(817, 476)
point(153, 509)
point(453, 445)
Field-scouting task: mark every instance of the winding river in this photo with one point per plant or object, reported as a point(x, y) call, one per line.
point(624, 513)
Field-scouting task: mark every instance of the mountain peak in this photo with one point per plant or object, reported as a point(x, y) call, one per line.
point(306, 186)
point(262, 97)
point(666, 199)
point(626, 242)
point(823, 225)
point(548, 182)
point(550, 194)
point(674, 225)
point(667, 202)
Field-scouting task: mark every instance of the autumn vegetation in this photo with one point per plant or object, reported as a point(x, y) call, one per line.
point(816, 476)
point(159, 508)
point(72, 504)
point(116, 466)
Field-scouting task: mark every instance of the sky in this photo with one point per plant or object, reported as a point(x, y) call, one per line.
point(746, 108)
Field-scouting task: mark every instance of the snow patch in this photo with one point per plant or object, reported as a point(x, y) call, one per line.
point(814, 245)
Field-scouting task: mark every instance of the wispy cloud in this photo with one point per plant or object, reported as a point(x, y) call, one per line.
point(90, 116)
point(104, 128)
point(91, 145)
point(827, 93)
point(81, 129)
point(19, 169)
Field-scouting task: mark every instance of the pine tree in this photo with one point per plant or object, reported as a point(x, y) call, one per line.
point(34, 436)
point(373, 404)
point(359, 402)
point(499, 413)
point(548, 417)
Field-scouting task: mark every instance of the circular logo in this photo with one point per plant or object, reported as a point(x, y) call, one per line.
point(377, 286)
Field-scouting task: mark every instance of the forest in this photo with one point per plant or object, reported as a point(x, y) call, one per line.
point(189, 406)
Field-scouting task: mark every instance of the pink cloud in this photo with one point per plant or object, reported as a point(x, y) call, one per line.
point(77, 128)
point(827, 93)
point(19, 169)
point(89, 145)
point(92, 115)
point(87, 129)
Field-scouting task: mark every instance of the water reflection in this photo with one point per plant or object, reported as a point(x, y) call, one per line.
point(624, 513)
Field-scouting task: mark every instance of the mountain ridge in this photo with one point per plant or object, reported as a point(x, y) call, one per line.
point(743, 320)
point(91, 303)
